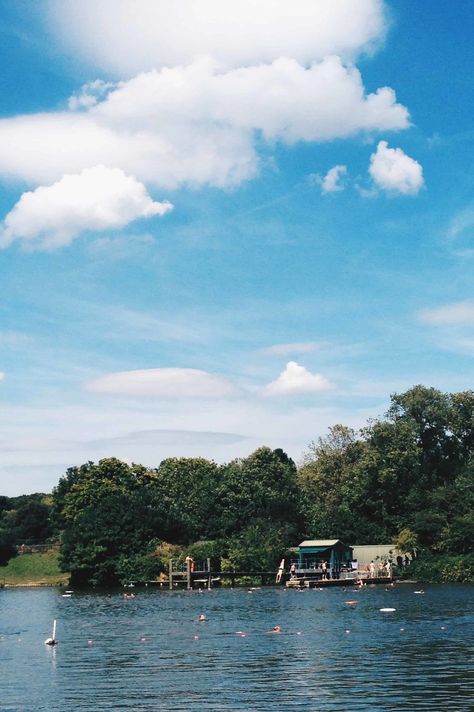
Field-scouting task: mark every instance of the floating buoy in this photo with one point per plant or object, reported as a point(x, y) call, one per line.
point(418, 591)
point(348, 630)
point(196, 637)
point(66, 595)
point(352, 603)
point(387, 610)
point(52, 640)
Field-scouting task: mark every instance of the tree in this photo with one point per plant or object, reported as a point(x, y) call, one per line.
point(261, 489)
point(186, 489)
point(108, 516)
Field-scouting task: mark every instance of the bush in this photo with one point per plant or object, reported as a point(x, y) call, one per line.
point(442, 569)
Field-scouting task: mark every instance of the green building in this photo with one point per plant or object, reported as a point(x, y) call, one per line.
point(313, 555)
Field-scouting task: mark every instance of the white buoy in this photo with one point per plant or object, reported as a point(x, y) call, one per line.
point(52, 640)
point(387, 610)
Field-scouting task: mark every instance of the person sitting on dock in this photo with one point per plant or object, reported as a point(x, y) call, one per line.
point(293, 571)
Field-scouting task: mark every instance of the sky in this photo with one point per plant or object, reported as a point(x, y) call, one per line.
point(227, 224)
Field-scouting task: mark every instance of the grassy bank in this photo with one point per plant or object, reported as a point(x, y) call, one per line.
point(33, 570)
point(432, 568)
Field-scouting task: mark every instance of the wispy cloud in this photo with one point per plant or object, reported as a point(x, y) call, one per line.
point(457, 313)
point(298, 347)
point(333, 180)
point(168, 383)
point(14, 339)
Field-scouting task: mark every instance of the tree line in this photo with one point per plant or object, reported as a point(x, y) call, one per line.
point(407, 477)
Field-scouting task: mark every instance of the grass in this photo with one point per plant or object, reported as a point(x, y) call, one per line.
point(33, 570)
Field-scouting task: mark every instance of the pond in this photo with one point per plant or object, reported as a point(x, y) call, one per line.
point(151, 653)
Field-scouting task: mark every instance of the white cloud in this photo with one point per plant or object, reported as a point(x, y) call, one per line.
point(331, 183)
point(96, 199)
point(296, 379)
point(89, 94)
point(14, 339)
point(168, 383)
point(299, 347)
point(394, 171)
point(462, 222)
point(126, 37)
point(198, 124)
point(457, 313)
point(2, 375)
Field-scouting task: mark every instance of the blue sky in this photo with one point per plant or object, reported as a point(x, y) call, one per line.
point(224, 226)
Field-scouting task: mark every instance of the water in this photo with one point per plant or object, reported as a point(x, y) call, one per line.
point(150, 653)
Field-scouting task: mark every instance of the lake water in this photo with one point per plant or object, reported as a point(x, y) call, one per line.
point(150, 653)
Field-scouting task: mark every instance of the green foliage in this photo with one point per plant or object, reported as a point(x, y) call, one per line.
point(261, 488)
point(431, 568)
point(409, 476)
point(406, 542)
point(186, 489)
point(23, 520)
point(258, 548)
point(108, 517)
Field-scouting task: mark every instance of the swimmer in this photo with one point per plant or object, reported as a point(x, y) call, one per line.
point(275, 629)
point(202, 618)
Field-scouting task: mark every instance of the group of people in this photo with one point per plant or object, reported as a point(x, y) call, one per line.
point(384, 569)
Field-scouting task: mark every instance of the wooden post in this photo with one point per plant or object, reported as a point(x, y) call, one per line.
point(188, 572)
point(170, 570)
point(209, 576)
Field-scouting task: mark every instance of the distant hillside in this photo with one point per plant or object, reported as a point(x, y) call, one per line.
point(33, 569)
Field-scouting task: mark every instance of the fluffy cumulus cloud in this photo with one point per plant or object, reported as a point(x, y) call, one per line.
point(147, 34)
point(392, 170)
point(190, 92)
point(98, 198)
point(167, 383)
point(332, 181)
point(297, 380)
point(197, 124)
point(457, 313)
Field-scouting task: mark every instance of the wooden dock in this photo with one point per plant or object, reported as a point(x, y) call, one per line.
point(331, 583)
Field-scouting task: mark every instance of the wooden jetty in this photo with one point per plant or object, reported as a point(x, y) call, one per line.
point(330, 583)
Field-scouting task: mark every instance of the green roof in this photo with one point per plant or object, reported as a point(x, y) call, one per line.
point(320, 542)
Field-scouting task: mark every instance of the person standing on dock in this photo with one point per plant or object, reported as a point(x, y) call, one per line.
point(372, 569)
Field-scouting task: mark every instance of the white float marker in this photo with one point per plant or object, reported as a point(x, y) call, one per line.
point(52, 641)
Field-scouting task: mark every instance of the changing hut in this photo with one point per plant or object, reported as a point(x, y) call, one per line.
point(321, 560)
